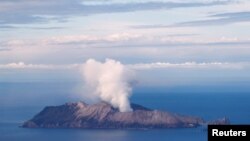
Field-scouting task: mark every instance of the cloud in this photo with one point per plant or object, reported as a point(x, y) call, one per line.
point(94, 2)
point(126, 40)
point(129, 47)
point(190, 65)
point(213, 20)
point(6, 27)
point(5, 49)
point(219, 19)
point(30, 11)
point(88, 39)
point(138, 66)
point(22, 65)
point(75, 41)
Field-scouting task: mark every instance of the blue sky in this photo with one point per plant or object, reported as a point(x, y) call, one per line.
point(168, 42)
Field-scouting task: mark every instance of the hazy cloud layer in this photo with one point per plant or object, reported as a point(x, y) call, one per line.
point(190, 65)
point(139, 66)
point(22, 65)
point(124, 40)
point(212, 20)
point(56, 36)
point(219, 19)
point(30, 11)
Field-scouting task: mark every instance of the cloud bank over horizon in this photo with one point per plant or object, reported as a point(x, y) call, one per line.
point(184, 41)
point(139, 66)
point(148, 74)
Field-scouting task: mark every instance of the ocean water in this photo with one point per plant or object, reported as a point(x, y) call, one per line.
point(21, 101)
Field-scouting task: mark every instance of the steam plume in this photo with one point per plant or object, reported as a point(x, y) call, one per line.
point(110, 82)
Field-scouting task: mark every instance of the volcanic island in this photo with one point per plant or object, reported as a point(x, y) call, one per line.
point(103, 115)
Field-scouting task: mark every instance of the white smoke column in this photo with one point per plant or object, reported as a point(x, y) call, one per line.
point(110, 82)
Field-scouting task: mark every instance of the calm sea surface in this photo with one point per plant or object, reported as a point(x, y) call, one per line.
point(21, 101)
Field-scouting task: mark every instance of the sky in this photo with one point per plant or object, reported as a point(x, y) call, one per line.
point(167, 42)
